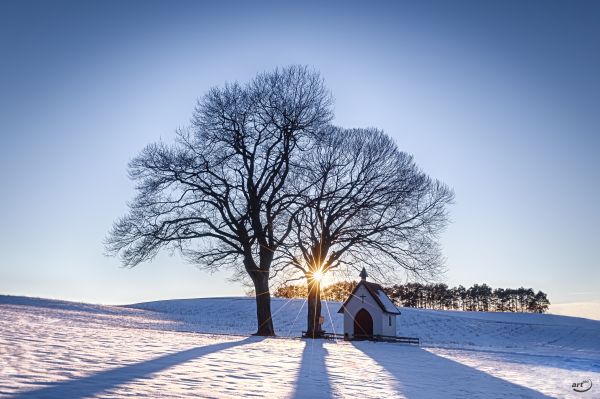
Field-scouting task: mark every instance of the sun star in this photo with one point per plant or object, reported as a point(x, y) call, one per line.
point(318, 275)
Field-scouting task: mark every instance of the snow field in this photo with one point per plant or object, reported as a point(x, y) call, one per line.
point(54, 349)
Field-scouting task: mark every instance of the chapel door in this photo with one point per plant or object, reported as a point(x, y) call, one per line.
point(363, 325)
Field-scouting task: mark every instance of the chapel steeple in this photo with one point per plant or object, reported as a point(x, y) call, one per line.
point(363, 274)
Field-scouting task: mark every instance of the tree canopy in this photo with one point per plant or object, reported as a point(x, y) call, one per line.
point(262, 183)
point(363, 202)
point(217, 194)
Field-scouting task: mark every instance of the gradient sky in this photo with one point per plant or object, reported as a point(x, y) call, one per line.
point(499, 100)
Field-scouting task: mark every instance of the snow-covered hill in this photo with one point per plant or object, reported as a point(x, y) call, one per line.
point(61, 349)
point(513, 331)
point(523, 332)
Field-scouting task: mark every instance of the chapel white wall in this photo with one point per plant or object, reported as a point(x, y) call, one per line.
point(355, 304)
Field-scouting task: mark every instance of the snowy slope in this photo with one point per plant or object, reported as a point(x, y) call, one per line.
point(60, 349)
point(536, 333)
point(519, 332)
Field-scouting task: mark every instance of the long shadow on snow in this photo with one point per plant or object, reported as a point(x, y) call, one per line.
point(313, 380)
point(105, 380)
point(421, 374)
point(558, 361)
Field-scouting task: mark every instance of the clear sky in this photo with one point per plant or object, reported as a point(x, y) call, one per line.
point(500, 100)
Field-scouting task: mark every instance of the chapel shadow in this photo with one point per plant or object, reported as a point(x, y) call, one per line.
point(313, 376)
point(422, 374)
point(97, 383)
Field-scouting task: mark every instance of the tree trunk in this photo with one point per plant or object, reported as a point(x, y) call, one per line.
point(263, 304)
point(314, 309)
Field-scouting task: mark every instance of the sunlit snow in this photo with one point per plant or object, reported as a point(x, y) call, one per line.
point(201, 348)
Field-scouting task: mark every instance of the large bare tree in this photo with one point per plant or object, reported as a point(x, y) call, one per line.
point(364, 203)
point(217, 195)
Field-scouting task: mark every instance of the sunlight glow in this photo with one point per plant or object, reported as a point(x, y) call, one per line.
point(318, 275)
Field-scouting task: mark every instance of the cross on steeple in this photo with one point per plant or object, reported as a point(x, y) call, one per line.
point(363, 296)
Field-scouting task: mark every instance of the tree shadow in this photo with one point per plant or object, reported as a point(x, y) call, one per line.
point(421, 374)
point(105, 380)
point(566, 362)
point(313, 379)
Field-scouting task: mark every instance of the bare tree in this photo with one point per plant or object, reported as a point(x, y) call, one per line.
point(365, 203)
point(217, 195)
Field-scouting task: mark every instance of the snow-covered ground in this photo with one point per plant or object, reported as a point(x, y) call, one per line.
point(201, 348)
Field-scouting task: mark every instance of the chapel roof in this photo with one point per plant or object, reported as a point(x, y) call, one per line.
point(377, 292)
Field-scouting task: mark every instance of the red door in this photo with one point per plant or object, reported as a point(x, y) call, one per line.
point(363, 325)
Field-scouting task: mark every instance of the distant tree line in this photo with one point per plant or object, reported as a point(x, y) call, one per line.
point(479, 297)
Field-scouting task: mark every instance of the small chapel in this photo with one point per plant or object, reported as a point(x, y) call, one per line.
point(368, 312)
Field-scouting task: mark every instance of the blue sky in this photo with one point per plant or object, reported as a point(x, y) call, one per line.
point(500, 101)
